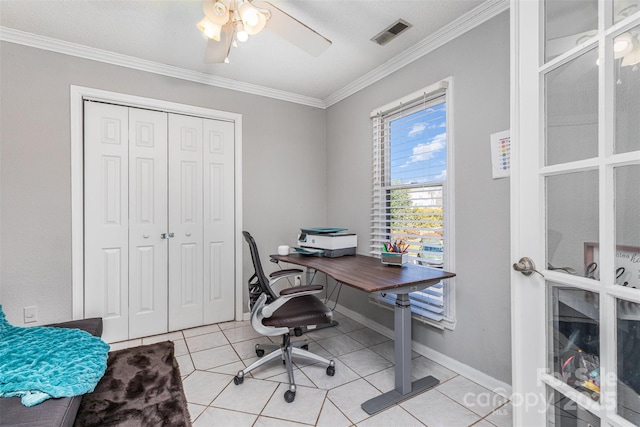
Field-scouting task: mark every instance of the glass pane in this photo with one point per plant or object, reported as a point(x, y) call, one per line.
point(628, 338)
point(624, 8)
point(627, 61)
point(627, 200)
point(572, 221)
point(575, 338)
point(571, 109)
point(416, 221)
point(418, 145)
point(568, 23)
point(564, 412)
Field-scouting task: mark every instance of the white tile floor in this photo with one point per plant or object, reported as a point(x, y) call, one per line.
point(210, 356)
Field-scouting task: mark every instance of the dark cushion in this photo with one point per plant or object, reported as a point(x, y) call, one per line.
point(51, 412)
point(301, 311)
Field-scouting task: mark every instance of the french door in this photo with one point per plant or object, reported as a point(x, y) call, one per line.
point(575, 205)
point(159, 220)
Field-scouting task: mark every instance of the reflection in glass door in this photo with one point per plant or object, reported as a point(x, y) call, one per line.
point(590, 173)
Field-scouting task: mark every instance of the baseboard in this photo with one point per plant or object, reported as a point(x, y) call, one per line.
point(486, 381)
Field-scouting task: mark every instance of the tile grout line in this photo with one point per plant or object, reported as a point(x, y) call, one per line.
point(326, 399)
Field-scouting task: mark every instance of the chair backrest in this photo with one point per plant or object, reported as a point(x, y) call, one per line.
point(257, 267)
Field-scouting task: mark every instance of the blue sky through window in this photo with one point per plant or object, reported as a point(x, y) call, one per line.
point(418, 146)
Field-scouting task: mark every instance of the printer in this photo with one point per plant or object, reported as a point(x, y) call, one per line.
point(333, 242)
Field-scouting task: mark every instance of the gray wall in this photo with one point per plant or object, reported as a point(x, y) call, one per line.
point(297, 162)
point(479, 64)
point(281, 187)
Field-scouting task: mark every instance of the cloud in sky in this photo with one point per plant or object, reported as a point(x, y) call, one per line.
point(417, 129)
point(426, 151)
point(420, 127)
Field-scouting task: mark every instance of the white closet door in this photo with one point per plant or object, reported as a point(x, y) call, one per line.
point(185, 221)
point(219, 224)
point(106, 217)
point(148, 250)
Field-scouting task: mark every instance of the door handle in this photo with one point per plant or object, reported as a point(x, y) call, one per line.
point(526, 266)
point(167, 235)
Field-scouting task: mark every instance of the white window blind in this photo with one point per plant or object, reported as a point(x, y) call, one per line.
point(409, 190)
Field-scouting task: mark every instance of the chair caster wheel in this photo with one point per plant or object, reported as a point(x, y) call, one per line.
point(238, 380)
point(289, 396)
point(305, 347)
point(259, 352)
point(331, 370)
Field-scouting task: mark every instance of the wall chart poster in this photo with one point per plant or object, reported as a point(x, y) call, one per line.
point(501, 154)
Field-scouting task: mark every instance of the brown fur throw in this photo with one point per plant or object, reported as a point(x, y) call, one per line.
point(141, 387)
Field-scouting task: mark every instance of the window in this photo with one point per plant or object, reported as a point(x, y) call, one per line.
point(411, 197)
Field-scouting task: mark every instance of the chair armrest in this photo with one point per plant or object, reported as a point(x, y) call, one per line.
point(279, 274)
point(283, 274)
point(299, 289)
point(296, 292)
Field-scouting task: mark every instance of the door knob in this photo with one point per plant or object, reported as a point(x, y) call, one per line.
point(526, 266)
point(145, 235)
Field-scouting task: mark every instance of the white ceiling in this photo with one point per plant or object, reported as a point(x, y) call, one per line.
point(164, 32)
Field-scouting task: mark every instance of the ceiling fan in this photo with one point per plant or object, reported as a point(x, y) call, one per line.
point(227, 22)
point(626, 46)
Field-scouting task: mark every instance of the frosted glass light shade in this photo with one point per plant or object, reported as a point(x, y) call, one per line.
point(253, 19)
point(217, 12)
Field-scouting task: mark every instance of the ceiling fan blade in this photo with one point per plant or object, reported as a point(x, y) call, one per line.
point(561, 45)
point(294, 31)
point(218, 51)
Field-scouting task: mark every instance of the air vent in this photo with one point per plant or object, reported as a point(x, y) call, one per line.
point(391, 32)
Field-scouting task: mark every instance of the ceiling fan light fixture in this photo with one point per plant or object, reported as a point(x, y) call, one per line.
point(254, 19)
point(241, 34)
point(622, 45)
point(248, 14)
point(232, 21)
point(633, 57)
point(210, 30)
point(216, 11)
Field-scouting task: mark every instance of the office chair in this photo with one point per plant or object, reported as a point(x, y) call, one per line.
point(273, 315)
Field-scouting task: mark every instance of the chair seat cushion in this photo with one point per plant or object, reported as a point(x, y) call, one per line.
point(302, 311)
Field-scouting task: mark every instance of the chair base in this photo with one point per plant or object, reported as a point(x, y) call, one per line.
point(286, 352)
point(261, 349)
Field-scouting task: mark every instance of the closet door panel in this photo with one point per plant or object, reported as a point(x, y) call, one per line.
point(219, 221)
point(148, 273)
point(185, 222)
point(106, 225)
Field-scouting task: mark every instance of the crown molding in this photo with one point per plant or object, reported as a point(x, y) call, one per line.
point(470, 20)
point(73, 49)
point(475, 17)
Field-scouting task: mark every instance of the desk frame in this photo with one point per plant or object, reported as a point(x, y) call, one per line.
point(393, 279)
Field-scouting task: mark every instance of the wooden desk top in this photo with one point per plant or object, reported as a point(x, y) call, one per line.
point(369, 274)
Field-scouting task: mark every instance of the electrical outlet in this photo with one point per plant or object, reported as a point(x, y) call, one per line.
point(298, 280)
point(30, 314)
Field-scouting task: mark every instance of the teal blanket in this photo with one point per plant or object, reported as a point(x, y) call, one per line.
point(40, 362)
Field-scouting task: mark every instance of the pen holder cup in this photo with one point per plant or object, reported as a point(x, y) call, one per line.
point(394, 258)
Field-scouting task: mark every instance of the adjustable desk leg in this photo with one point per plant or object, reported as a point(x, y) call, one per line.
point(402, 338)
point(404, 387)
